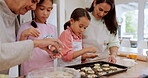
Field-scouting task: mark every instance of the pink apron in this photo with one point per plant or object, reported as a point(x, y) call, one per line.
point(40, 58)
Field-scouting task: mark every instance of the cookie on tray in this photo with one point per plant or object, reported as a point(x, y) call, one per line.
point(96, 67)
point(91, 76)
point(90, 72)
point(82, 73)
point(99, 70)
point(106, 69)
point(97, 64)
point(105, 65)
point(111, 71)
point(86, 69)
point(113, 68)
point(101, 73)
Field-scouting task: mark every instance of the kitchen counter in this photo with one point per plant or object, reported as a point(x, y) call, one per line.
point(133, 72)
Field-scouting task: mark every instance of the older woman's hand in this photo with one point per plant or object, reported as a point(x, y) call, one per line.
point(44, 44)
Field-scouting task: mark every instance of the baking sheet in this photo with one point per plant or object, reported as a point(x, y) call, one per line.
point(120, 68)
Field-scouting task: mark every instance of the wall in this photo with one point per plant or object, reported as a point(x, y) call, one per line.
point(123, 1)
point(52, 19)
point(25, 18)
point(60, 14)
point(126, 1)
point(70, 5)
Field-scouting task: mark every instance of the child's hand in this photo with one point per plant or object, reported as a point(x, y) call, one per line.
point(91, 50)
point(30, 32)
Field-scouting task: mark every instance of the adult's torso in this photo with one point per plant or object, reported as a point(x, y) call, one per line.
point(8, 24)
point(97, 35)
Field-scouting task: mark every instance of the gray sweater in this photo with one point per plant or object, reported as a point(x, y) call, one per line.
point(11, 52)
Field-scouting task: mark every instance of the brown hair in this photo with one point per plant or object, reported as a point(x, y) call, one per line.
point(76, 14)
point(110, 19)
point(33, 23)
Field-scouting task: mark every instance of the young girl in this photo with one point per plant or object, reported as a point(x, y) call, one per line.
point(38, 29)
point(71, 38)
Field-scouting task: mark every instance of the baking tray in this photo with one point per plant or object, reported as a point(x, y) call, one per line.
point(91, 64)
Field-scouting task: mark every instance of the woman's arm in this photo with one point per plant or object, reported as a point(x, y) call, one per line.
point(113, 54)
point(113, 51)
point(113, 46)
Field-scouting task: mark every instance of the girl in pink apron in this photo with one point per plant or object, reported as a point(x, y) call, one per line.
point(38, 29)
point(71, 38)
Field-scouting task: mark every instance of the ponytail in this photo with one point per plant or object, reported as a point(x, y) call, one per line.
point(34, 24)
point(66, 24)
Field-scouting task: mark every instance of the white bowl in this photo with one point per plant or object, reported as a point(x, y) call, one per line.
point(51, 72)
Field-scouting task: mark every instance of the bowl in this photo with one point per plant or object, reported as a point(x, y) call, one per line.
point(51, 72)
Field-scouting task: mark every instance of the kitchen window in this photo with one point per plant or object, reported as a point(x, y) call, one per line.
point(127, 15)
point(146, 22)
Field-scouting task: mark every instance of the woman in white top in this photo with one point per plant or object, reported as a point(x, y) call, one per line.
point(102, 32)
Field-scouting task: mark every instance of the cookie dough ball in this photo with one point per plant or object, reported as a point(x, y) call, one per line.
point(78, 70)
point(106, 69)
point(113, 68)
point(102, 73)
point(82, 73)
point(111, 71)
point(99, 70)
point(96, 67)
point(90, 72)
point(97, 64)
point(92, 76)
point(105, 65)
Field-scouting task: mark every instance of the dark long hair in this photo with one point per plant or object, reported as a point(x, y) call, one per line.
point(76, 14)
point(33, 23)
point(110, 19)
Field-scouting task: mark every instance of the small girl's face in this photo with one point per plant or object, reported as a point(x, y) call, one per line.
point(42, 11)
point(79, 26)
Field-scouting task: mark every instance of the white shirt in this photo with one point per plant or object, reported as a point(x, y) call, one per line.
point(99, 36)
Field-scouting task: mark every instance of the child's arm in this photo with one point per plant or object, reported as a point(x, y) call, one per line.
point(85, 56)
point(67, 50)
point(68, 53)
point(83, 51)
point(29, 32)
